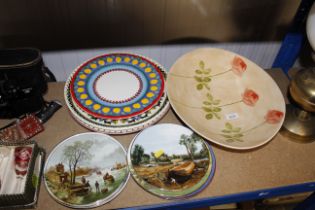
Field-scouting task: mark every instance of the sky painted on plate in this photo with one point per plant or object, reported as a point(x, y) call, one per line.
point(106, 152)
point(165, 137)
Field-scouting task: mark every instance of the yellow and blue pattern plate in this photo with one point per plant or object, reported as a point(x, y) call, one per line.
point(117, 86)
point(117, 93)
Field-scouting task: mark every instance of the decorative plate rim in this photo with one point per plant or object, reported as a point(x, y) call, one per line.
point(98, 202)
point(173, 104)
point(159, 69)
point(202, 187)
point(116, 130)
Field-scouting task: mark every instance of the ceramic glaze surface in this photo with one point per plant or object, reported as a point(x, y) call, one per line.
point(86, 170)
point(117, 86)
point(226, 98)
point(129, 89)
point(125, 96)
point(170, 161)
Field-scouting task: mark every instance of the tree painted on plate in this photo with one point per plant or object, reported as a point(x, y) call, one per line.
point(189, 142)
point(136, 155)
point(75, 154)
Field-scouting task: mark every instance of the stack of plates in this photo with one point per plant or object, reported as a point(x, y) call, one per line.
point(117, 93)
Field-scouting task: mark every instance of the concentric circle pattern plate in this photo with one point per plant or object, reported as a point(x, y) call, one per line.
point(139, 102)
point(226, 98)
point(86, 170)
point(122, 126)
point(117, 86)
point(171, 161)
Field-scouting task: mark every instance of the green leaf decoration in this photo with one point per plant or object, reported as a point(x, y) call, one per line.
point(228, 126)
point(216, 109)
point(206, 109)
point(234, 133)
point(209, 116)
point(199, 87)
point(227, 136)
point(202, 64)
point(209, 96)
point(198, 79)
point(207, 103)
point(198, 71)
point(206, 79)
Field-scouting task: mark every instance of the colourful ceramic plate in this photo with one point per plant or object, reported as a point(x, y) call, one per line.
point(117, 86)
point(117, 126)
point(86, 170)
point(226, 98)
point(171, 161)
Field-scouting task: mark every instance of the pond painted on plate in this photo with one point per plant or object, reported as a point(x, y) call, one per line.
point(86, 168)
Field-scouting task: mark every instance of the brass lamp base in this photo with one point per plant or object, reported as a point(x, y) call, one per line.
point(299, 125)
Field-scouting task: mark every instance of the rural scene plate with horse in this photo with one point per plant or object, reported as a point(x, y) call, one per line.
point(171, 161)
point(86, 170)
point(117, 86)
point(226, 98)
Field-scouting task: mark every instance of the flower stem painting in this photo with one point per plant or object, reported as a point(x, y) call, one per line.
point(225, 98)
point(79, 173)
point(231, 133)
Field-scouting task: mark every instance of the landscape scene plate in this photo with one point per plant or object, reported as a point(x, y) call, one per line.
point(171, 161)
point(86, 170)
point(226, 98)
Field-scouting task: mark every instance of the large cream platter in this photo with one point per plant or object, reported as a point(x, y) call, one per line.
point(226, 98)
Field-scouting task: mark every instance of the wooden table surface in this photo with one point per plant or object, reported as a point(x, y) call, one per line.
point(279, 163)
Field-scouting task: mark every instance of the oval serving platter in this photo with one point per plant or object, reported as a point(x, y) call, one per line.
point(86, 170)
point(171, 161)
point(226, 98)
point(117, 93)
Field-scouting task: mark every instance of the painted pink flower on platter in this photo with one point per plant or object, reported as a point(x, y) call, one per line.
point(250, 97)
point(274, 116)
point(238, 66)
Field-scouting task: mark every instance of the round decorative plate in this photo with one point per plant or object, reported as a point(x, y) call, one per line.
point(117, 86)
point(226, 98)
point(86, 170)
point(134, 121)
point(171, 161)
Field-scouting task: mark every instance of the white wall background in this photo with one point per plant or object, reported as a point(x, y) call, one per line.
point(62, 63)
